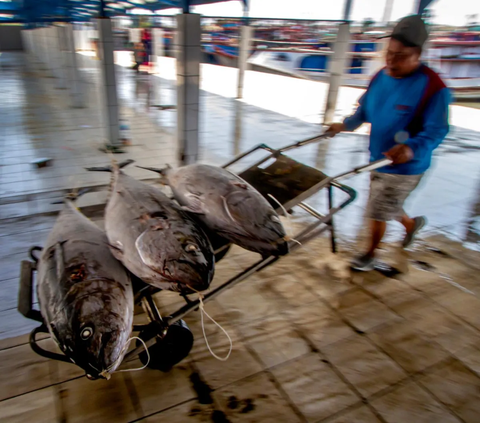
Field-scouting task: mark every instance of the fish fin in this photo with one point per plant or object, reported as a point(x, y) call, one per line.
point(116, 251)
point(125, 163)
point(161, 172)
point(195, 204)
point(110, 168)
point(72, 196)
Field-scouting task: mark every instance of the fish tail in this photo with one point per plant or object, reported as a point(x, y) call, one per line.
point(161, 172)
point(73, 195)
point(114, 166)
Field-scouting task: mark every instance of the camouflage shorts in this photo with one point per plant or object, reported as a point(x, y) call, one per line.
point(388, 192)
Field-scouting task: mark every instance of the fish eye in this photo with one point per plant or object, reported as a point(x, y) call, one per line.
point(191, 248)
point(86, 333)
point(275, 218)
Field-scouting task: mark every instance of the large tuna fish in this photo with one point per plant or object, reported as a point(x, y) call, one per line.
point(85, 294)
point(228, 206)
point(154, 238)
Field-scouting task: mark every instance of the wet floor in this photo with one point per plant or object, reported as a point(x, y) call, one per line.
point(312, 341)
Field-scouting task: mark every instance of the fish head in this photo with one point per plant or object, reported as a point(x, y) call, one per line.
point(178, 252)
point(97, 329)
point(255, 224)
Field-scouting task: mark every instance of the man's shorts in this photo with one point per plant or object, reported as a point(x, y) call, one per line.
point(388, 192)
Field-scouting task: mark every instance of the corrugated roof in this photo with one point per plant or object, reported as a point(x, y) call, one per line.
point(43, 11)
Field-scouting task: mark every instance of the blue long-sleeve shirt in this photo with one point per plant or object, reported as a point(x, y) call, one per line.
point(390, 104)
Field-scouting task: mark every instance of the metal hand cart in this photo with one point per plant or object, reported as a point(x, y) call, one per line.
point(168, 338)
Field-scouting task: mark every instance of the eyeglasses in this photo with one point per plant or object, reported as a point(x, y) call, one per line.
point(397, 56)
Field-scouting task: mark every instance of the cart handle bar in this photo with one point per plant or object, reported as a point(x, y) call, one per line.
point(325, 136)
point(364, 168)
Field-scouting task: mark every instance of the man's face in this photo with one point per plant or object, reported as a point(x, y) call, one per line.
point(401, 60)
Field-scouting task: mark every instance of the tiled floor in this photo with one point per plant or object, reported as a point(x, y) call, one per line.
point(312, 342)
point(313, 345)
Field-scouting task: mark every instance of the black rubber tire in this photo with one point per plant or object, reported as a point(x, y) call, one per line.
point(168, 351)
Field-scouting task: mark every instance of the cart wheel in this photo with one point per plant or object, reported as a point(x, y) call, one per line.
point(169, 350)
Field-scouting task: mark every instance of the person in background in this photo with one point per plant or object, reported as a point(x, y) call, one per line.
point(138, 54)
point(147, 45)
point(407, 105)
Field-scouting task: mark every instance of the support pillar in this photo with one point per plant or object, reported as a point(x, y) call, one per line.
point(237, 131)
point(73, 74)
point(188, 51)
point(347, 9)
point(41, 47)
point(34, 42)
point(25, 34)
point(245, 47)
point(27, 47)
point(108, 82)
point(48, 50)
point(387, 12)
point(58, 62)
point(420, 6)
point(336, 69)
point(32, 46)
point(158, 48)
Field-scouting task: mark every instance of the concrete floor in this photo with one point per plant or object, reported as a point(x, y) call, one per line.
point(311, 341)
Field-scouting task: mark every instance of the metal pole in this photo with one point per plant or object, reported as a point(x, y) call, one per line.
point(421, 5)
point(245, 46)
point(347, 10)
point(73, 72)
point(387, 12)
point(188, 51)
point(109, 85)
point(336, 70)
point(102, 13)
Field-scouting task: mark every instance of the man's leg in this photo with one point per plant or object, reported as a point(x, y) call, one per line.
point(412, 227)
point(378, 214)
point(415, 224)
point(377, 230)
point(388, 192)
point(408, 222)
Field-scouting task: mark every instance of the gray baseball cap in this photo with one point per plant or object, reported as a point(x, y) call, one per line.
point(410, 31)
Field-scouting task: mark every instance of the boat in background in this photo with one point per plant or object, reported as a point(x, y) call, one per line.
point(303, 49)
point(456, 57)
point(456, 60)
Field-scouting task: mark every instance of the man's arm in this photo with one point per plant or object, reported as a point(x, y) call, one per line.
point(352, 122)
point(435, 128)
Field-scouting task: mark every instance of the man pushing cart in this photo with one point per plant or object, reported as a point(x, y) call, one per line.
point(407, 106)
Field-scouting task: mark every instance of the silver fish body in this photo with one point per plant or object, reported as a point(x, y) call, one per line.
point(155, 239)
point(228, 206)
point(85, 294)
